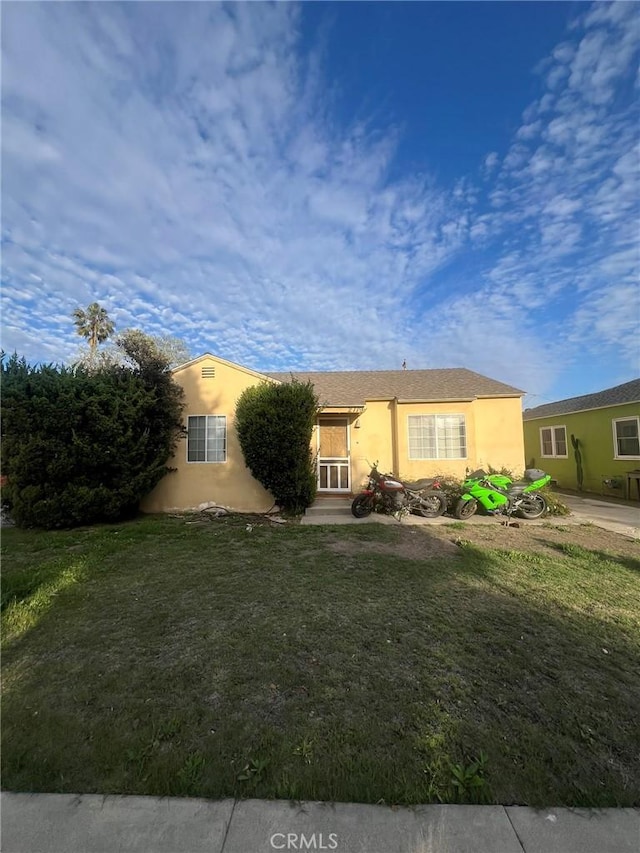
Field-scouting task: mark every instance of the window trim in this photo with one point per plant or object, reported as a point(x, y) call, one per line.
point(226, 443)
point(614, 421)
point(553, 454)
point(437, 415)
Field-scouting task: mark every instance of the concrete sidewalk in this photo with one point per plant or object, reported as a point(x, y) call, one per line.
point(67, 823)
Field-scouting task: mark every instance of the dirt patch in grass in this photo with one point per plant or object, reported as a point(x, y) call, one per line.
point(445, 541)
point(414, 544)
point(546, 539)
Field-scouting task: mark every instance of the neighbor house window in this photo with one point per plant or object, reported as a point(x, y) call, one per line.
point(553, 441)
point(626, 438)
point(437, 437)
point(207, 438)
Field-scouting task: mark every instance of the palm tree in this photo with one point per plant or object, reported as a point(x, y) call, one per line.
point(93, 324)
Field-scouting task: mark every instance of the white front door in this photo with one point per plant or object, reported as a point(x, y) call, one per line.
point(333, 455)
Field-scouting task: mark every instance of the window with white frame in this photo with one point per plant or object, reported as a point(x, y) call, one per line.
point(207, 438)
point(437, 437)
point(553, 441)
point(626, 438)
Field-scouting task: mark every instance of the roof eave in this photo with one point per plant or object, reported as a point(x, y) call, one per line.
point(459, 399)
point(241, 367)
point(510, 395)
point(356, 407)
point(577, 411)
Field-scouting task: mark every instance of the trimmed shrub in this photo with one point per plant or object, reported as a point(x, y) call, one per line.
point(80, 447)
point(275, 425)
point(554, 504)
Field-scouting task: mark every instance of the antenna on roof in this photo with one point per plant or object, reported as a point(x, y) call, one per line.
point(404, 364)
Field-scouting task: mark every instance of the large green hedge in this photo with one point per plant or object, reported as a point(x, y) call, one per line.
point(274, 425)
point(80, 447)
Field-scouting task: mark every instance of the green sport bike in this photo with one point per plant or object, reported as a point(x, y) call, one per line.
point(498, 493)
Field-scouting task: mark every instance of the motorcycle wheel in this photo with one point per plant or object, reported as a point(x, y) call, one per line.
point(432, 505)
point(533, 506)
point(362, 506)
point(465, 509)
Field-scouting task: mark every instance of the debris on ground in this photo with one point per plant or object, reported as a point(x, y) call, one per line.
point(222, 515)
point(216, 511)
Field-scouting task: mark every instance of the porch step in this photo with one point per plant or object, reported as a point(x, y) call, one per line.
point(321, 510)
point(338, 511)
point(330, 506)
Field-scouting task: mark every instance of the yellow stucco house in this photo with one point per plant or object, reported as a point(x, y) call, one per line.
point(415, 423)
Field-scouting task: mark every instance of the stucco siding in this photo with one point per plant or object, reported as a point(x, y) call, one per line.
point(494, 436)
point(595, 432)
point(499, 434)
point(372, 441)
point(228, 484)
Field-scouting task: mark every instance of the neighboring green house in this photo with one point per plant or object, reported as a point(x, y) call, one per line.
point(607, 426)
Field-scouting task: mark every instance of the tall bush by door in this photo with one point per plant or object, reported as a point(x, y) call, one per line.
point(275, 425)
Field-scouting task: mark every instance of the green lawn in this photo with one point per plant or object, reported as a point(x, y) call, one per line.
point(366, 663)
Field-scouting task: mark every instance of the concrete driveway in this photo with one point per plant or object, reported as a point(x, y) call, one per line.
point(619, 517)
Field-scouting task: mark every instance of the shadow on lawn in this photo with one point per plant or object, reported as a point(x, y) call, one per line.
point(27, 599)
point(569, 549)
point(355, 679)
point(20, 586)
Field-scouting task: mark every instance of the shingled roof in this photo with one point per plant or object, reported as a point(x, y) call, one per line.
point(628, 392)
point(354, 387)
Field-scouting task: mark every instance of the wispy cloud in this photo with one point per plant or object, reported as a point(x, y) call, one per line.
point(191, 164)
point(182, 165)
point(565, 205)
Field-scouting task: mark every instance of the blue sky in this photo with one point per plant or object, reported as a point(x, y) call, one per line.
point(329, 185)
